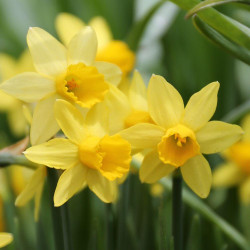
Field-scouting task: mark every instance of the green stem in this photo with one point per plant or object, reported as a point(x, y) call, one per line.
point(110, 227)
point(177, 214)
point(7, 159)
point(59, 216)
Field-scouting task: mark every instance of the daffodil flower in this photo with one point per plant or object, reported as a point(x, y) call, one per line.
point(180, 135)
point(128, 109)
point(5, 239)
point(71, 74)
point(10, 67)
point(89, 156)
point(109, 50)
point(236, 170)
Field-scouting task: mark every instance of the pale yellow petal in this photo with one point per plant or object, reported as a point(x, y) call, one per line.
point(152, 169)
point(164, 101)
point(44, 124)
point(49, 55)
point(67, 26)
point(70, 182)
point(7, 101)
point(28, 87)
point(119, 109)
point(246, 127)
point(97, 120)
point(201, 106)
point(36, 180)
point(106, 190)
point(83, 47)
point(112, 73)
point(197, 174)
point(227, 175)
point(70, 121)
point(245, 191)
point(143, 135)
point(57, 153)
point(5, 239)
point(7, 66)
point(103, 32)
point(216, 136)
point(25, 62)
point(138, 93)
point(38, 197)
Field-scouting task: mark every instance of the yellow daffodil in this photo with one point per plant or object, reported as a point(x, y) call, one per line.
point(128, 110)
point(90, 156)
point(33, 189)
point(10, 67)
point(5, 239)
point(109, 50)
point(71, 74)
point(236, 170)
point(180, 135)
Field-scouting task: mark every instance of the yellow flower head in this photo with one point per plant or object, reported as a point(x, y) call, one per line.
point(109, 50)
point(67, 73)
point(180, 135)
point(90, 155)
point(236, 169)
point(128, 109)
point(5, 239)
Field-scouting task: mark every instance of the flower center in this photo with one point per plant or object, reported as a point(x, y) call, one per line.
point(137, 116)
point(109, 155)
point(239, 153)
point(82, 84)
point(178, 145)
point(118, 52)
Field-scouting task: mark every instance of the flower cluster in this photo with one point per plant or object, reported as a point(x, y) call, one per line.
point(76, 88)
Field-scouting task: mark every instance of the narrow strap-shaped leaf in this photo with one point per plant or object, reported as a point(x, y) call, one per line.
point(136, 33)
point(233, 30)
point(210, 3)
point(220, 40)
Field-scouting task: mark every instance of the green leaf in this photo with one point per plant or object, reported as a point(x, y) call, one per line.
point(220, 40)
point(136, 32)
point(237, 113)
point(194, 238)
point(210, 3)
point(233, 30)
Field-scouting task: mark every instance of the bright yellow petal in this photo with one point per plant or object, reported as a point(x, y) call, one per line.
point(70, 121)
point(165, 103)
point(97, 120)
point(67, 26)
point(112, 73)
point(56, 153)
point(28, 87)
point(138, 93)
point(71, 181)
point(216, 136)
point(7, 66)
point(143, 135)
point(119, 109)
point(201, 106)
point(49, 55)
point(197, 174)
point(152, 169)
point(5, 239)
point(246, 127)
point(227, 175)
point(44, 124)
point(245, 191)
point(106, 190)
point(103, 32)
point(83, 47)
point(36, 180)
